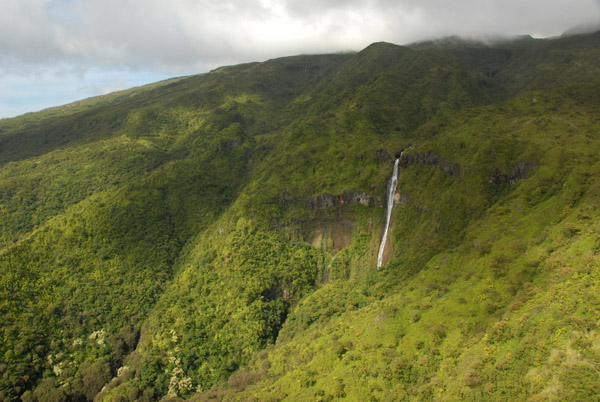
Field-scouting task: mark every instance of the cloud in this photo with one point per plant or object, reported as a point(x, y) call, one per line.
point(185, 36)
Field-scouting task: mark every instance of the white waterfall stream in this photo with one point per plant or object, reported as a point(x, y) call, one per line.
point(391, 192)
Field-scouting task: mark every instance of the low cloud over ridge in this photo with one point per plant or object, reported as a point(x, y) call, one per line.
point(186, 36)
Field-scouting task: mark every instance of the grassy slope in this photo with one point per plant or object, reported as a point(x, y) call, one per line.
point(159, 208)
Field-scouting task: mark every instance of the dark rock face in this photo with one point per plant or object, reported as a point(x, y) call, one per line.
point(348, 197)
point(330, 224)
point(322, 201)
point(430, 159)
point(521, 171)
point(384, 155)
point(401, 198)
point(358, 198)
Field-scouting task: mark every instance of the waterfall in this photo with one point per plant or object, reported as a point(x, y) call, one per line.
point(391, 191)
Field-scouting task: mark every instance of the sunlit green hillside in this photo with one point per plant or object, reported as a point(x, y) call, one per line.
point(215, 237)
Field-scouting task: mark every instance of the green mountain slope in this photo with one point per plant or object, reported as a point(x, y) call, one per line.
point(214, 237)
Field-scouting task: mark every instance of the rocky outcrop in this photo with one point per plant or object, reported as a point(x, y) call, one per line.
point(401, 198)
point(384, 155)
point(430, 159)
point(521, 171)
point(322, 201)
point(348, 197)
point(352, 197)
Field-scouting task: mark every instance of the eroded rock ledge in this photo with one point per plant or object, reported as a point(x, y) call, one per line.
point(346, 198)
point(521, 171)
point(430, 159)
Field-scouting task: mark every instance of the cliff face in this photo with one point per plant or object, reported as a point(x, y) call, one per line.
point(332, 219)
point(522, 171)
point(346, 198)
point(429, 159)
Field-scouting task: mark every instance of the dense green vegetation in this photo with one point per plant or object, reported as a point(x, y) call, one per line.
point(214, 237)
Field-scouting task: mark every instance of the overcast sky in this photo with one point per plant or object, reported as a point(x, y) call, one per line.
point(56, 51)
